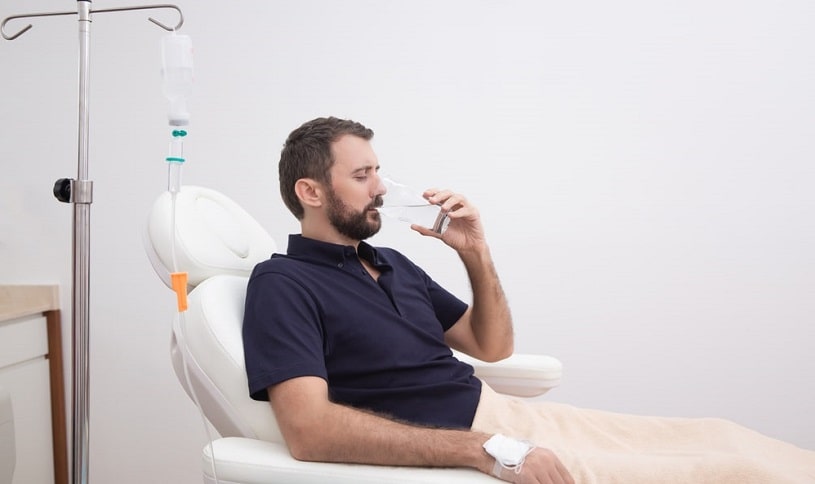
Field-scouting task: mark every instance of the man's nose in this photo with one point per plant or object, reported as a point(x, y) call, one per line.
point(381, 189)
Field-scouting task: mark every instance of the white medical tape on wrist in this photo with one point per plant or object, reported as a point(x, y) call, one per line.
point(509, 453)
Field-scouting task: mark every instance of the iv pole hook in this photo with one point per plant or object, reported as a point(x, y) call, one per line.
point(120, 9)
point(150, 7)
point(27, 27)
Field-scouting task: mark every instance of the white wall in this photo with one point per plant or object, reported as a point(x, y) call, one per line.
point(644, 170)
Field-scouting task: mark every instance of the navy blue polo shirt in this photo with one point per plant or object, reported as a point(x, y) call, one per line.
point(378, 344)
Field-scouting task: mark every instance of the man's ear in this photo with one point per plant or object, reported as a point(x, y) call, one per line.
point(309, 192)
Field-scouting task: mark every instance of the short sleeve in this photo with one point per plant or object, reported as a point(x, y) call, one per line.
point(282, 333)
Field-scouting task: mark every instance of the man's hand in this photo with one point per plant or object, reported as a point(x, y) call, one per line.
point(465, 232)
point(540, 467)
point(485, 330)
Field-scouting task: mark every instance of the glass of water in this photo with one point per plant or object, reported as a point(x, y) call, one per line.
point(405, 204)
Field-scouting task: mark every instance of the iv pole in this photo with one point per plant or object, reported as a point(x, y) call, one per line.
point(80, 193)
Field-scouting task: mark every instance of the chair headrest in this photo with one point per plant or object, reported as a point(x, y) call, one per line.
point(212, 235)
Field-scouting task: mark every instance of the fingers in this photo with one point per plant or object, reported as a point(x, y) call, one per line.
point(448, 200)
point(464, 232)
point(454, 204)
point(543, 466)
point(425, 231)
point(563, 472)
point(559, 474)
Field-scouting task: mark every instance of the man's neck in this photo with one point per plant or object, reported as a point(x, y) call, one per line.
point(326, 233)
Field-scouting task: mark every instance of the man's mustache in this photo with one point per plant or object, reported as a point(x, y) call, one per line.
point(378, 202)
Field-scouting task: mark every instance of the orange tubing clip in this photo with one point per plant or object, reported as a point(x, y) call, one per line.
point(179, 281)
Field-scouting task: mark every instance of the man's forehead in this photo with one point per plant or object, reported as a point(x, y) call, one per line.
point(352, 153)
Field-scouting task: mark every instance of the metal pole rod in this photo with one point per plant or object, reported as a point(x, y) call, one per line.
point(79, 192)
point(81, 195)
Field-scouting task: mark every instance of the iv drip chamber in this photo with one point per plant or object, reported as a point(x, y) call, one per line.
point(177, 72)
point(175, 160)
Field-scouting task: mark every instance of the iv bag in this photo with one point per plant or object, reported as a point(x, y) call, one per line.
point(177, 72)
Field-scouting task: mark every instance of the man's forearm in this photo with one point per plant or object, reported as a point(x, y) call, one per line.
point(345, 434)
point(491, 319)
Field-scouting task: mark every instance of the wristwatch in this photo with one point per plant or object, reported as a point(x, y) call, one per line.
point(509, 453)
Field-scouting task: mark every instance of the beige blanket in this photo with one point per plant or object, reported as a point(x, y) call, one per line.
point(604, 447)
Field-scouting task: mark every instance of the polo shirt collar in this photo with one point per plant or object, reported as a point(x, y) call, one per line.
point(328, 253)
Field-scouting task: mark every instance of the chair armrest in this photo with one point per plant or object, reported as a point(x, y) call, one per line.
point(240, 460)
point(522, 375)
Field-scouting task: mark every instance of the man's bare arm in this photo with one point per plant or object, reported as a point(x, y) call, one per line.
point(485, 330)
point(490, 319)
point(316, 429)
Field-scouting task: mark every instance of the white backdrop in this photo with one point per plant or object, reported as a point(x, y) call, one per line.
point(644, 169)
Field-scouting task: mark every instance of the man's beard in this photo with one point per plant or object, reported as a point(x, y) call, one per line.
point(350, 223)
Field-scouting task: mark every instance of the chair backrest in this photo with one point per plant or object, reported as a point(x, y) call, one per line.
point(206, 234)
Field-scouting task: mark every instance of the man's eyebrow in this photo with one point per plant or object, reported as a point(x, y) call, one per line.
point(365, 169)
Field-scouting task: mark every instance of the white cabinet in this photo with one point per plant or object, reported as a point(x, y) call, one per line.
point(31, 371)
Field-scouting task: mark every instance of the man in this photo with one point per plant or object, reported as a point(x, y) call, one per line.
point(351, 345)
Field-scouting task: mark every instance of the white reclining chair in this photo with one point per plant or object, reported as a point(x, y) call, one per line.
point(218, 243)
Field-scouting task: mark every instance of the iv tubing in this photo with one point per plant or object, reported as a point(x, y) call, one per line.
point(177, 74)
point(180, 323)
